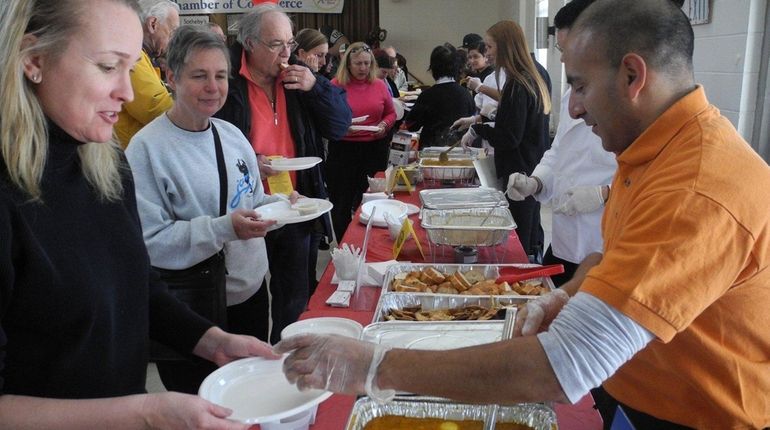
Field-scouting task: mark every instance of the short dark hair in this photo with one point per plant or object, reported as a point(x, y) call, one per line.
point(384, 61)
point(444, 61)
point(567, 15)
point(478, 46)
point(657, 30)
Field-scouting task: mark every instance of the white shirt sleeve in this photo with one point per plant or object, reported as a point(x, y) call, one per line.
point(588, 341)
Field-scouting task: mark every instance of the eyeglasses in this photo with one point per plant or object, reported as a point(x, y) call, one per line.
point(358, 49)
point(278, 46)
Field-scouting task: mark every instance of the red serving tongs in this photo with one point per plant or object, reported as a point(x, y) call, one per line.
point(515, 274)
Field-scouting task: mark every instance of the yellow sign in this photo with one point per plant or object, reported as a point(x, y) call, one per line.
point(406, 230)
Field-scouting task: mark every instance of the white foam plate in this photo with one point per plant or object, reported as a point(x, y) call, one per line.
point(282, 212)
point(411, 209)
point(394, 207)
point(291, 164)
point(257, 391)
point(358, 119)
point(363, 128)
point(324, 325)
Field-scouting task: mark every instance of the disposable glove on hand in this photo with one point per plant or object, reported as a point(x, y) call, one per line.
point(582, 199)
point(468, 138)
point(474, 84)
point(463, 123)
point(489, 110)
point(520, 186)
point(539, 313)
point(333, 363)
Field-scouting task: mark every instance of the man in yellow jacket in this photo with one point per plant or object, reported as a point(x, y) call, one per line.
point(151, 98)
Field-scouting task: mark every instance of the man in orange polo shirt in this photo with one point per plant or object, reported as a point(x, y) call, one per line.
point(672, 319)
point(284, 109)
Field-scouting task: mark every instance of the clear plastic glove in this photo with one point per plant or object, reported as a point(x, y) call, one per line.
point(582, 199)
point(463, 123)
point(474, 84)
point(468, 138)
point(489, 110)
point(520, 186)
point(334, 363)
point(538, 314)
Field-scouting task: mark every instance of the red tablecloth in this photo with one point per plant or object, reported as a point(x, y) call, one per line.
point(333, 413)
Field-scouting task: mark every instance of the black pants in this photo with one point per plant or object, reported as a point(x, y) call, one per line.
point(607, 405)
point(249, 317)
point(569, 267)
point(347, 166)
point(526, 213)
point(288, 250)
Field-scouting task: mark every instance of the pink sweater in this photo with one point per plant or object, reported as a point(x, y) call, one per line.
point(371, 99)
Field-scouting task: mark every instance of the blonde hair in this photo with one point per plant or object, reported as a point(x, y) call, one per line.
point(513, 57)
point(23, 125)
point(343, 74)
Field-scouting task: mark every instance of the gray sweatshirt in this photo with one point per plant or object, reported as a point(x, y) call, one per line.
point(177, 192)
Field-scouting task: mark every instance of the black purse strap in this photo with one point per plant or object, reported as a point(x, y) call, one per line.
point(222, 172)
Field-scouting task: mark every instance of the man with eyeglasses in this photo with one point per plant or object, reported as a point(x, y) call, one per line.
point(284, 109)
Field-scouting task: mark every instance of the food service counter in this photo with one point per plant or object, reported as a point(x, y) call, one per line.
point(333, 413)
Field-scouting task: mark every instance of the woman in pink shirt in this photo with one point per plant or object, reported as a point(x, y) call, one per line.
point(360, 152)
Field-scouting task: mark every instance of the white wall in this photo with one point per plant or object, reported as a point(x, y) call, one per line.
point(415, 27)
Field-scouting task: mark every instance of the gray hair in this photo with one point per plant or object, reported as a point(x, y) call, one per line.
point(189, 39)
point(157, 8)
point(250, 25)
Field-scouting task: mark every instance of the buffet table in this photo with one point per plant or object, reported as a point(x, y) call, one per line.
point(334, 412)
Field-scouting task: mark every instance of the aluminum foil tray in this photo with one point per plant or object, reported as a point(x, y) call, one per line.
point(431, 335)
point(462, 198)
point(490, 271)
point(536, 415)
point(457, 227)
point(429, 302)
point(448, 172)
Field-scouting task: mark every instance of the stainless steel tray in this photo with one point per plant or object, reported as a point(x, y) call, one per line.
point(448, 172)
point(429, 302)
point(490, 271)
point(433, 335)
point(457, 227)
point(458, 198)
point(536, 415)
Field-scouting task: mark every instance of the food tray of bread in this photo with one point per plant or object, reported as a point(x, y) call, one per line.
point(442, 307)
point(427, 413)
point(433, 335)
point(468, 226)
point(458, 198)
point(462, 279)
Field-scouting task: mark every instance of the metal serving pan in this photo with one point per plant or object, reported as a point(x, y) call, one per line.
point(490, 271)
point(430, 302)
point(433, 335)
point(462, 198)
point(535, 415)
point(468, 226)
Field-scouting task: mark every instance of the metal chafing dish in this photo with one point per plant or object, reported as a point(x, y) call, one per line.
point(490, 271)
point(468, 226)
point(462, 198)
point(458, 169)
point(535, 415)
point(429, 302)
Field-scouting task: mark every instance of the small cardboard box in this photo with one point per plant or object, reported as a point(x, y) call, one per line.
point(401, 147)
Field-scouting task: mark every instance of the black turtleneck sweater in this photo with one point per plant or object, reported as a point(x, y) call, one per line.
point(78, 300)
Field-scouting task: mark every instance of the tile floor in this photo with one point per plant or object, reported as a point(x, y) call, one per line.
point(153, 380)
